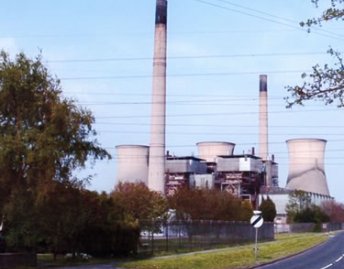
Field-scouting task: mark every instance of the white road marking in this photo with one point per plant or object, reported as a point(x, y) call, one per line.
point(331, 264)
point(327, 266)
point(339, 259)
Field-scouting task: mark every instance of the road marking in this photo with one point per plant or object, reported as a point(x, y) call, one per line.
point(327, 266)
point(332, 264)
point(339, 259)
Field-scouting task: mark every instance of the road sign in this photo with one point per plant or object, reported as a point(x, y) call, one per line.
point(256, 221)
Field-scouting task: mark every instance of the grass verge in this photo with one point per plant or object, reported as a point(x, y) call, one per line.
point(234, 257)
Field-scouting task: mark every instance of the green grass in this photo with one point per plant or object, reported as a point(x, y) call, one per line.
point(234, 257)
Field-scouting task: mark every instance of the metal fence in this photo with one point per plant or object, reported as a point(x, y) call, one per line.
point(307, 227)
point(184, 236)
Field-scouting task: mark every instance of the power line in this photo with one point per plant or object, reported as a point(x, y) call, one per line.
point(328, 34)
point(186, 57)
point(216, 114)
point(186, 75)
point(218, 133)
point(278, 17)
point(219, 125)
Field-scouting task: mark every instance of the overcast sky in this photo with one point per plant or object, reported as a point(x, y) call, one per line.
point(102, 52)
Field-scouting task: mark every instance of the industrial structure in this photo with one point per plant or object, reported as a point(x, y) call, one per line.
point(216, 166)
point(306, 165)
point(156, 169)
point(263, 118)
point(132, 163)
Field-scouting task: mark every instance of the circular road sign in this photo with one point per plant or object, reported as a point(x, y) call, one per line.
point(256, 221)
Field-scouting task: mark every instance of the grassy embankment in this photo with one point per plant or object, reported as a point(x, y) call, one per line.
point(234, 257)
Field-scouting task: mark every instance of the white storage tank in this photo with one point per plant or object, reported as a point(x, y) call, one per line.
point(306, 165)
point(209, 150)
point(132, 163)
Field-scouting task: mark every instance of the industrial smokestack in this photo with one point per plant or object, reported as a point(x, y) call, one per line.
point(306, 165)
point(263, 118)
point(156, 171)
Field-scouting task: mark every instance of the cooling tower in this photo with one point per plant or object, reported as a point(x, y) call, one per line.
point(210, 150)
point(156, 173)
point(132, 163)
point(306, 165)
point(263, 118)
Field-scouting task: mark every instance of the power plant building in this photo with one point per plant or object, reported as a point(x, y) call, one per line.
point(247, 176)
point(242, 175)
point(181, 172)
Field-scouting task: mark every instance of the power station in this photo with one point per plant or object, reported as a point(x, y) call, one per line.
point(217, 166)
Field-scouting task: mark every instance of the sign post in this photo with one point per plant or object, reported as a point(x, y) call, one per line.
point(256, 221)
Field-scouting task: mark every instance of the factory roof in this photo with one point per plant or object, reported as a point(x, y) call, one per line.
point(184, 158)
point(239, 156)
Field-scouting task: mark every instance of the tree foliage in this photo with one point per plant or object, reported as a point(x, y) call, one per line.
point(206, 204)
point(334, 210)
point(300, 209)
point(43, 136)
point(43, 139)
point(298, 201)
point(268, 209)
point(138, 201)
point(312, 214)
point(325, 83)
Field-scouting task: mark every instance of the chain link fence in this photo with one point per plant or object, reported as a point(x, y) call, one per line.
point(185, 236)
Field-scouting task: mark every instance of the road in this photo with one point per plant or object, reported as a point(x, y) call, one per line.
point(329, 255)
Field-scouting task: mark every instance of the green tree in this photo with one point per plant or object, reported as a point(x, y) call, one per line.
point(268, 209)
point(312, 214)
point(324, 83)
point(61, 215)
point(43, 138)
point(298, 201)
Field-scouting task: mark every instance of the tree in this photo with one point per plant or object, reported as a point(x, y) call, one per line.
point(61, 215)
point(300, 209)
point(324, 83)
point(206, 204)
point(298, 201)
point(43, 139)
point(312, 214)
point(138, 201)
point(268, 209)
point(334, 210)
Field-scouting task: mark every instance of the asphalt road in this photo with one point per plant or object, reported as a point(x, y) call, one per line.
point(329, 255)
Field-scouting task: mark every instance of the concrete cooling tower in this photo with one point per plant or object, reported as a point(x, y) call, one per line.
point(210, 150)
point(306, 165)
point(132, 163)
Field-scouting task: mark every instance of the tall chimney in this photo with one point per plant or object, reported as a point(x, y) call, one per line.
point(263, 118)
point(156, 171)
